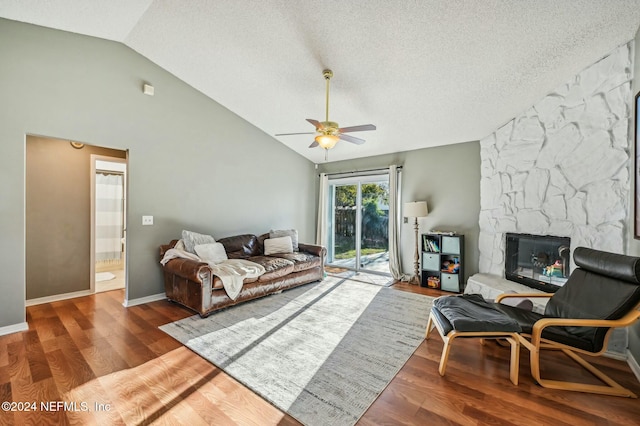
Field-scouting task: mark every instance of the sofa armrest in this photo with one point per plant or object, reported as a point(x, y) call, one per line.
point(313, 249)
point(188, 269)
point(189, 283)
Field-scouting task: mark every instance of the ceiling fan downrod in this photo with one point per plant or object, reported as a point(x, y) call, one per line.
point(327, 74)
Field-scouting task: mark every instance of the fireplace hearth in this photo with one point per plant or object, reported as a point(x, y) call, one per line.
point(538, 261)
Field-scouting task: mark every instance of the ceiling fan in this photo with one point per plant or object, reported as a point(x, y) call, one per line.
point(329, 132)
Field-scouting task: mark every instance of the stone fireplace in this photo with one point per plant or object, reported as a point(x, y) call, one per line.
point(561, 168)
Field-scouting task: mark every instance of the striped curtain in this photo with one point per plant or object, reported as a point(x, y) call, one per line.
point(109, 217)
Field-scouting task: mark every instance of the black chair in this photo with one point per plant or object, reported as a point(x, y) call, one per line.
point(603, 293)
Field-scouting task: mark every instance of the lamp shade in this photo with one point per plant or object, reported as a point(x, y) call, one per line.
point(416, 209)
point(327, 141)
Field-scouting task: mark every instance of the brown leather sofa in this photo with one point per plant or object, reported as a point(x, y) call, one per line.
point(193, 284)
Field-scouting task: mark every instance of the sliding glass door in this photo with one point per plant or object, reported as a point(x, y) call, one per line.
point(358, 223)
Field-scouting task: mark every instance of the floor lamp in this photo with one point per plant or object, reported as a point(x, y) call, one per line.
point(416, 209)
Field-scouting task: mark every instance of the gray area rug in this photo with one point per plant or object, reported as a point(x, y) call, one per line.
point(364, 277)
point(322, 352)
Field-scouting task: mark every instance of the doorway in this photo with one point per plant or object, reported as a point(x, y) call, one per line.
point(108, 223)
point(358, 223)
point(60, 262)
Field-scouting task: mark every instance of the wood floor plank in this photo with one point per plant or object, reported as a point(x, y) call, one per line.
point(102, 358)
point(45, 331)
point(132, 351)
point(102, 408)
point(93, 350)
point(18, 366)
point(38, 364)
point(83, 322)
point(4, 355)
point(163, 345)
point(82, 338)
point(208, 410)
point(191, 380)
point(428, 417)
point(239, 406)
point(5, 388)
point(42, 392)
point(517, 403)
point(399, 400)
point(63, 374)
point(7, 418)
point(159, 380)
point(135, 402)
point(80, 368)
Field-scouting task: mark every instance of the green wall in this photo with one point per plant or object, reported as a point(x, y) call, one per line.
point(448, 179)
point(192, 163)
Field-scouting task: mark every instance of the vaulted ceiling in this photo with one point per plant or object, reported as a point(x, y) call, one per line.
point(425, 72)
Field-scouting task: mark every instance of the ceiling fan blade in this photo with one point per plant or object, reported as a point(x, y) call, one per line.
point(360, 128)
point(316, 123)
point(289, 134)
point(313, 145)
point(352, 139)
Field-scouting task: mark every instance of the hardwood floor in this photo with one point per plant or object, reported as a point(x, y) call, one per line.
point(119, 368)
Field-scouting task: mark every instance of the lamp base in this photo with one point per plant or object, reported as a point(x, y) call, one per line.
point(415, 279)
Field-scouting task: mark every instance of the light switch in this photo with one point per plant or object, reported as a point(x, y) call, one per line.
point(147, 220)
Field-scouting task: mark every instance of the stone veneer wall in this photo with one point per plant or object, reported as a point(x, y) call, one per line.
point(563, 167)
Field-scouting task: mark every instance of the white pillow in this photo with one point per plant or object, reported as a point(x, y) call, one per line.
point(192, 239)
point(278, 245)
point(211, 252)
point(293, 233)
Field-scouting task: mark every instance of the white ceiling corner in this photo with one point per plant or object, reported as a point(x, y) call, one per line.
point(426, 73)
point(111, 20)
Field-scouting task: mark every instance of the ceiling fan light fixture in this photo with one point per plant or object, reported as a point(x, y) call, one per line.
point(329, 132)
point(327, 141)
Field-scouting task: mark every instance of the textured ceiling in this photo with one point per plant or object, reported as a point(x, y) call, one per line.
point(425, 72)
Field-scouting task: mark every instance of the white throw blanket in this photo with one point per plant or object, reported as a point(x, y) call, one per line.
point(231, 271)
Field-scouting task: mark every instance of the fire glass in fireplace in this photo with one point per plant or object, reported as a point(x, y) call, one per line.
point(538, 261)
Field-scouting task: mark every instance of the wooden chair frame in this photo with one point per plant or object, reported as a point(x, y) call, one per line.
point(512, 338)
point(535, 343)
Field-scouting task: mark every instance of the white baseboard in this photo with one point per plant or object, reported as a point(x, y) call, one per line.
point(142, 300)
point(615, 355)
point(58, 297)
point(14, 328)
point(633, 363)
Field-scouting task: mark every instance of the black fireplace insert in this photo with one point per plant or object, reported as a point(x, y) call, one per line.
point(538, 261)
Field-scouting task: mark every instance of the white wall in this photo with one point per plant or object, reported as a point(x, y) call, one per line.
point(192, 163)
point(634, 244)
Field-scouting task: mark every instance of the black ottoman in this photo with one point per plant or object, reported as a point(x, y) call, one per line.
point(469, 315)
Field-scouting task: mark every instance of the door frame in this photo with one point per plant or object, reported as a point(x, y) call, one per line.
point(357, 180)
point(92, 258)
